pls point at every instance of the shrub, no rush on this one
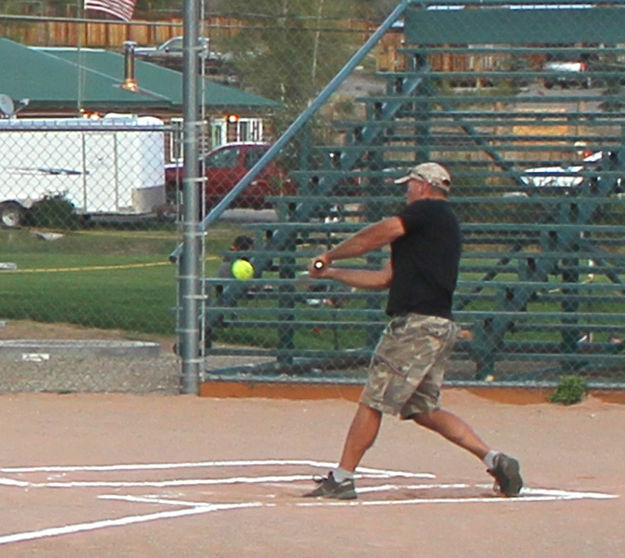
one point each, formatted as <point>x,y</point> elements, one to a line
<point>53,212</point>
<point>570,389</point>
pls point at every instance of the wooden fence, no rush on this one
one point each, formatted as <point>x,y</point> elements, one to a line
<point>112,34</point>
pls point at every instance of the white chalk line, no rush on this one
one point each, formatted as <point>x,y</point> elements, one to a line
<point>204,464</point>
<point>363,472</point>
<point>156,466</point>
<point>195,508</point>
<point>120,522</point>
<point>13,482</point>
<point>152,500</point>
<point>167,483</point>
<point>527,495</point>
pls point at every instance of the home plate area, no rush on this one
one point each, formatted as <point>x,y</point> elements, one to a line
<point>107,496</point>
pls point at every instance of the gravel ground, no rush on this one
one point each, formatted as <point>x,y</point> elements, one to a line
<point>64,358</point>
<point>91,374</point>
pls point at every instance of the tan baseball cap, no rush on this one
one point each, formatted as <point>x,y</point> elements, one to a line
<point>435,174</point>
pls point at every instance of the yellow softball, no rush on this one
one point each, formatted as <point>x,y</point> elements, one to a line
<point>242,270</point>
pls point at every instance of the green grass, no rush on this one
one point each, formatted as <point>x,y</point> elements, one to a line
<point>136,299</point>
<point>118,279</point>
<point>122,279</point>
<point>309,337</point>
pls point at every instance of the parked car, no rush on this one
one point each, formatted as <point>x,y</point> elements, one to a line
<point>226,165</point>
<point>171,52</point>
<point>567,74</point>
<point>565,177</point>
<point>584,70</point>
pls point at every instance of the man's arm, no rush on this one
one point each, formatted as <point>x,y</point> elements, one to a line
<point>360,278</point>
<point>366,240</point>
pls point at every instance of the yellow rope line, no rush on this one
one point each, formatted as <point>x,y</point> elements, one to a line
<point>90,268</point>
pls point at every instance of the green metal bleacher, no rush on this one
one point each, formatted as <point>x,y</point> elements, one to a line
<point>541,289</point>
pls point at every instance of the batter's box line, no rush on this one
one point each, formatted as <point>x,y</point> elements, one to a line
<point>362,472</point>
<point>173,483</point>
<point>185,508</point>
<point>527,495</point>
<point>121,522</point>
<point>205,464</point>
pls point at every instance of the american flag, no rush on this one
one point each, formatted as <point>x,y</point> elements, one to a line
<point>123,9</point>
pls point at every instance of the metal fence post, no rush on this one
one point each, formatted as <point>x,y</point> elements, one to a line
<point>189,263</point>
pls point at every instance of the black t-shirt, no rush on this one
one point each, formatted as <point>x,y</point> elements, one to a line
<point>425,260</point>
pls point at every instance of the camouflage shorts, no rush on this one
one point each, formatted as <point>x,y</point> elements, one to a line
<point>408,367</point>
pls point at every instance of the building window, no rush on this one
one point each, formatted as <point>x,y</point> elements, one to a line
<point>234,128</point>
<point>175,140</point>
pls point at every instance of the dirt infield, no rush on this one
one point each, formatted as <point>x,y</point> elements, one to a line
<point>103,475</point>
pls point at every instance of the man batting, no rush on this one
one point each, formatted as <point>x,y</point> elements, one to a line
<point>408,366</point>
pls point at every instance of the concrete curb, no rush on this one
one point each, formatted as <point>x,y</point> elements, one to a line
<point>38,350</point>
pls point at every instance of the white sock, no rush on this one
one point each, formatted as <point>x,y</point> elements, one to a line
<point>489,459</point>
<point>342,474</point>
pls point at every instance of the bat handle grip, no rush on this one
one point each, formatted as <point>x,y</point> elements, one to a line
<point>319,264</point>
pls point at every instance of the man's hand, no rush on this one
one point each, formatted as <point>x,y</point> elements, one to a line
<point>319,265</point>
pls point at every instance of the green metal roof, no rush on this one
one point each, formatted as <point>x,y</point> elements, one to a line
<point>49,77</point>
<point>158,80</point>
<point>51,82</point>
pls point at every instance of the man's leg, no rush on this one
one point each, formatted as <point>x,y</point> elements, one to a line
<point>503,468</point>
<point>454,429</point>
<point>362,433</point>
<point>360,437</point>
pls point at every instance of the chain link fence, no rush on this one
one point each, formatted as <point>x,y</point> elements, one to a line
<point>85,251</point>
<point>522,105</point>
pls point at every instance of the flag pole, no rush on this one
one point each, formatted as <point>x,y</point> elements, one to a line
<point>80,69</point>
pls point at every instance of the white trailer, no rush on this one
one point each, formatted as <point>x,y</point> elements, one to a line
<point>112,165</point>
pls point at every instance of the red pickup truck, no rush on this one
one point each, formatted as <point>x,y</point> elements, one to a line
<point>225,166</point>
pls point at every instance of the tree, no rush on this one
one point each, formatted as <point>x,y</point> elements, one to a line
<point>373,11</point>
<point>289,49</point>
